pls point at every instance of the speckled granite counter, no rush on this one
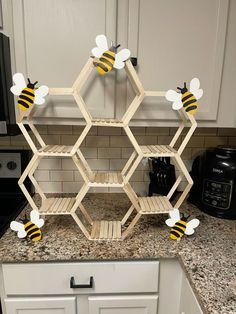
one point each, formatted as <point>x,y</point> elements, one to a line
<point>208,257</point>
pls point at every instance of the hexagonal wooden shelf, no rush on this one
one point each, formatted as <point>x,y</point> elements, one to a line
<point>106,230</point>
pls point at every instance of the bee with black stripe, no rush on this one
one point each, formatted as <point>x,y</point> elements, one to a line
<point>179,225</point>
<point>29,228</point>
<point>28,94</point>
<point>108,58</point>
<point>186,98</point>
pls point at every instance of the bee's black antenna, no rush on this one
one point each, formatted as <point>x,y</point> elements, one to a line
<point>117,46</point>
<point>179,88</point>
<point>31,85</point>
<point>185,85</point>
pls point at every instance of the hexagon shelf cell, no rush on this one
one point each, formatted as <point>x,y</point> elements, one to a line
<point>111,178</point>
<point>44,149</point>
<point>51,205</point>
<point>104,230</point>
<point>187,120</point>
<point>135,82</point>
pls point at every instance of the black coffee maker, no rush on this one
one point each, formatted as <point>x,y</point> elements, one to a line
<point>214,176</point>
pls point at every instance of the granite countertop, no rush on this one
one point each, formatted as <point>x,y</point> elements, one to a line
<point>208,257</point>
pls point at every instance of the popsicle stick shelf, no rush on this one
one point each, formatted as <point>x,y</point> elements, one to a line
<point>106,230</point>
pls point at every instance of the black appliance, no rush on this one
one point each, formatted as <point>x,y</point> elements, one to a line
<point>12,165</point>
<point>162,176</point>
<point>214,176</point>
<point>8,124</point>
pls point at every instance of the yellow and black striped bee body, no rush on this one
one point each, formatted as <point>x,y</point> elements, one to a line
<point>178,230</point>
<point>106,61</point>
<point>189,101</point>
<point>26,98</point>
<point>32,231</point>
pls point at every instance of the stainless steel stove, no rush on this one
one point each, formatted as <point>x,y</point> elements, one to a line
<point>12,200</point>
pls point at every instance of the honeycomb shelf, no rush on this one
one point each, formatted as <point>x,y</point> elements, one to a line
<point>107,122</point>
<point>106,230</point>
<point>106,179</point>
<point>158,151</point>
<point>57,206</point>
<point>55,150</point>
<point>103,230</point>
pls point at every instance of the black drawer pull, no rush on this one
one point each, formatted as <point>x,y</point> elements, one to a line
<point>73,285</point>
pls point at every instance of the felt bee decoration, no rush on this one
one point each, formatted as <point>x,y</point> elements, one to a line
<point>29,228</point>
<point>179,225</point>
<point>108,57</point>
<point>28,94</point>
<point>186,98</point>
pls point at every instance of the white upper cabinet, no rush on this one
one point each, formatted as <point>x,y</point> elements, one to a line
<point>53,41</point>
<point>175,41</point>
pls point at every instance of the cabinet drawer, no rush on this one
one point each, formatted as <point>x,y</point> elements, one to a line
<point>54,278</point>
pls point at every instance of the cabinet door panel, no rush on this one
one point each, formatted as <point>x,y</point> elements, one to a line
<point>41,306</point>
<point>188,301</point>
<point>176,41</point>
<point>53,41</point>
<point>123,304</point>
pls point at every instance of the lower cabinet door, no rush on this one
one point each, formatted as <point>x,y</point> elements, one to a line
<point>60,305</point>
<point>140,304</point>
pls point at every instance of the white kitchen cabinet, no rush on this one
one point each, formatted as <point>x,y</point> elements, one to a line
<point>175,293</point>
<point>47,288</point>
<point>123,304</point>
<point>130,287</point>
<point>188,301</point>
<point>60,305</point>
<point>173,41</point>
<point>52,41</point>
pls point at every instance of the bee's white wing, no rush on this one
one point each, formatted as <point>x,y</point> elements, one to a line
<point>40,93</point>
<point>174,97</point>
<point>191,225</point>
<point>174,217</point>
<point>121,56</point>
<point>20,84</point>
<point>17,226</point>
<point>102,46</point>
<point>194,88</point>
<point>34,217</point>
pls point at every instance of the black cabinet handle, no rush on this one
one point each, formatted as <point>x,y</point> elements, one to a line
<point>134,61</point>
<point>73,285</point>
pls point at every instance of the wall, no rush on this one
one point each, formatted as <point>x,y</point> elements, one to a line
<point>108,149</point>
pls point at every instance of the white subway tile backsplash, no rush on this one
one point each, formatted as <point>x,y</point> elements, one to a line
<point>98,190</point>
<point>117,164</point>
<point>109,131</point>
<point>42,175</point>
<point>71,187</point>
<point>62,175</point>
<point>53,139</point>
<point>108,149</point>
<point>59,129</point>
<point>50,163</point>
<point>89,152</point>
<point>51,187</point>
<point>68,164</point>
<point>99,164</point>
<point>97,141</point>
<point>126,152</point>
<point>109,152</point>
<point>70,139</point>
<point>77,176</point>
